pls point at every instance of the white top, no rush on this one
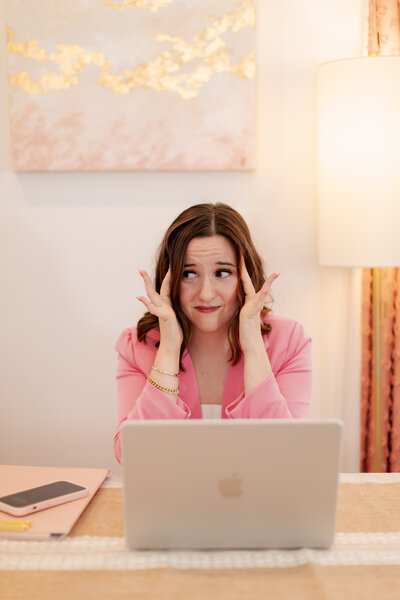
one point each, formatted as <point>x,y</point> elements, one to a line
<point>211,411</point>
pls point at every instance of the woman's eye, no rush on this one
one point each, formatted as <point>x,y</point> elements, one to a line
<point>223,273</point>
<point>189,274</point>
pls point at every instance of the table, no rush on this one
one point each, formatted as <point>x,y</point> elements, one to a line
<point>93,563</point>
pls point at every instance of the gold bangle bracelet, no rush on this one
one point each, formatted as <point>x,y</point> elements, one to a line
<point>165,372</point>
<point>162,388</point>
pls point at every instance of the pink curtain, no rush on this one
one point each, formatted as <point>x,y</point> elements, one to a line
<point>383,39</point>
<point>390,372</point>
<point>383,27</point>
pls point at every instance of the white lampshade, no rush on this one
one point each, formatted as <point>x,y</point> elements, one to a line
<point>358,103</point>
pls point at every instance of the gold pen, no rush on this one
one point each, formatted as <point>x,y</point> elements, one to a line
<point>14,525</point>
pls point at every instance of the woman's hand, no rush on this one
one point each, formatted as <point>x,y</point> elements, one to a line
<point>249,317</point>
<point>160,305</point>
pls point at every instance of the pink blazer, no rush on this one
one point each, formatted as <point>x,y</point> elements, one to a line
<point>285,394</point>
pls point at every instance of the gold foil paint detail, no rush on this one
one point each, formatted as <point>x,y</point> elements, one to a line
<point>206,47</point>
<point>70,59</point>
<point>150,5</point>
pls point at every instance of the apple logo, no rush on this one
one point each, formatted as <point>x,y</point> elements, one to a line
<point>231,486</point>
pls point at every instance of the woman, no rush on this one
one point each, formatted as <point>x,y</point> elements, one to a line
<point>207,346</point>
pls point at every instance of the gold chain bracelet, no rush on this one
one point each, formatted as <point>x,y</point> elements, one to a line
<point>162,388</point>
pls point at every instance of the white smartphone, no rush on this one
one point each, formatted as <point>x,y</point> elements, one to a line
<point>28,501</point>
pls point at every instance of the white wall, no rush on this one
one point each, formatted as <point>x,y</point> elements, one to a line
<point>71,244</point>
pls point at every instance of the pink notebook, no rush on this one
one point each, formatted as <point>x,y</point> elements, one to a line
<point>55,522</point>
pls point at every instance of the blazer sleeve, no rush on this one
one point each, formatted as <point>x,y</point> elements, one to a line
<point>286,393</point>
<point>137,398</point>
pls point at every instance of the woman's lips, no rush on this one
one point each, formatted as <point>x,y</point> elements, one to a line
<point>206,309</point>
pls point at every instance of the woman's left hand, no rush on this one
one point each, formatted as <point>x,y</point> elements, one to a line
<point>249,317</point>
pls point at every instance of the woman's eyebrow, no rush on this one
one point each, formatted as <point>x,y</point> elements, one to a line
<point>219,262</point>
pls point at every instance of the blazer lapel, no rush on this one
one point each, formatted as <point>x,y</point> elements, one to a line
<point>234,384</point>
<point>189,391</point>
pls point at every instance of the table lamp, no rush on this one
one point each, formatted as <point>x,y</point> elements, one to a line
<point>358,115</point>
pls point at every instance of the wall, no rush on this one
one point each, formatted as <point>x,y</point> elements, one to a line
<point>71,244</point>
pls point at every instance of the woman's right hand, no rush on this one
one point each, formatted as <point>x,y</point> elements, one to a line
<point>160,305</point>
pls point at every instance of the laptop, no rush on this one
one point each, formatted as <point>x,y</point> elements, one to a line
<point>230,484</point>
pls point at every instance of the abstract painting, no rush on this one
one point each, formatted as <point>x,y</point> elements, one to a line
<point>124,85</point>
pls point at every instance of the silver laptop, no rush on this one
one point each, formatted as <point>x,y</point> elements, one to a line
<point>245,483</point>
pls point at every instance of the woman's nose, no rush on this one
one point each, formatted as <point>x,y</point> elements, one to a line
<point>206,292</point>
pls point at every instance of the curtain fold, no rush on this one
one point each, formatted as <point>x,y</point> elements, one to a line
<point>383,39</point>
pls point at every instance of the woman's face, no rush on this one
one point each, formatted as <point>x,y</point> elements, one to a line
<point>208,289</point>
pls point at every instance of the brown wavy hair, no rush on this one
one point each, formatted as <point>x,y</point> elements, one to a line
<point>205,220</point>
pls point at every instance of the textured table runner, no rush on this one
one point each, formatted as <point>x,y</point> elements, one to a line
<point>368,533</point>
<point>105,553</point>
